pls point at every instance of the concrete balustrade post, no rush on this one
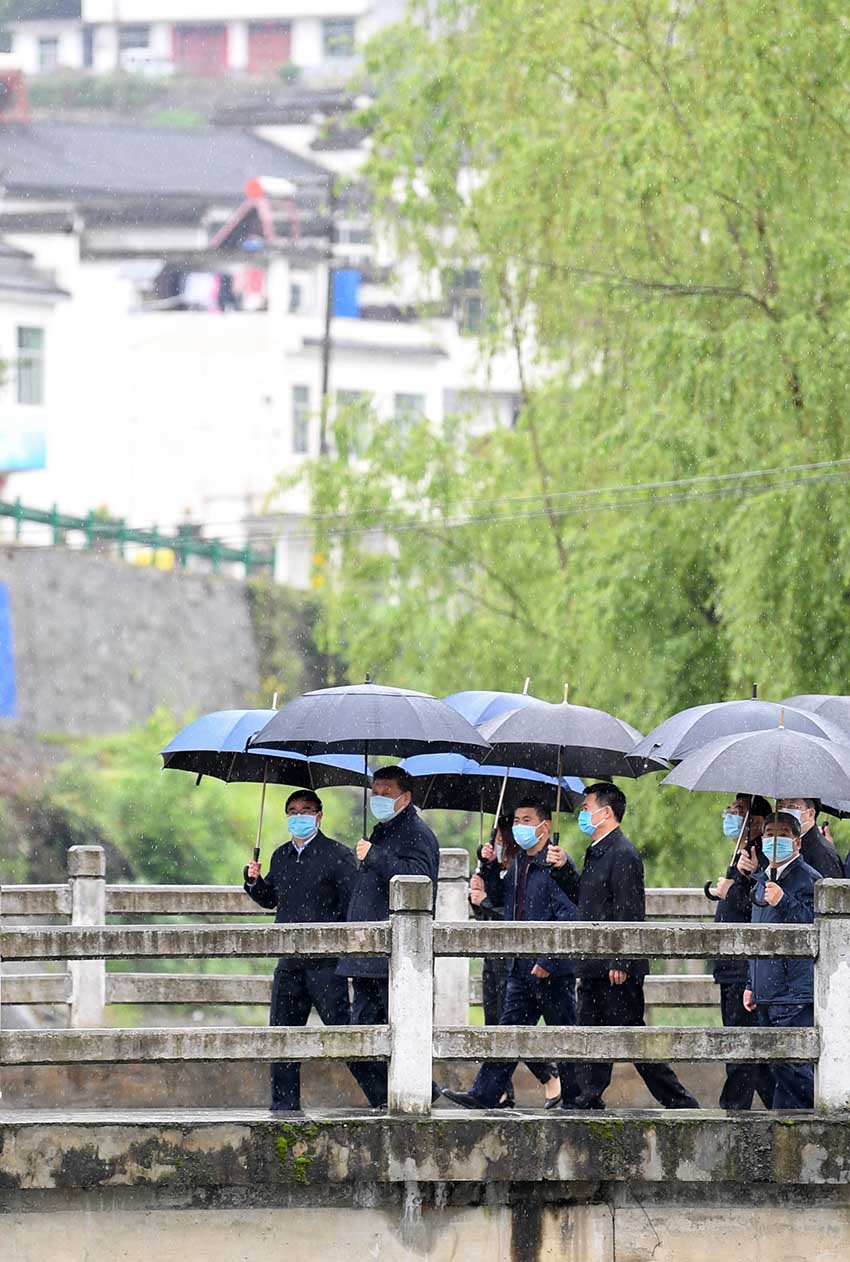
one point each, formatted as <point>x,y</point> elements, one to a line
<point>451,976</point>
<point>832,995</point>
<point>87,881</point>
<point>411,995</point>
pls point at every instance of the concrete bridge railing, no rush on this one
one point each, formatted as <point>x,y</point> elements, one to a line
<point>413,942</point>
<point>85,988</point>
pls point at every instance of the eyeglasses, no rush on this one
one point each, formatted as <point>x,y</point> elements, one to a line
<point>302,810</point>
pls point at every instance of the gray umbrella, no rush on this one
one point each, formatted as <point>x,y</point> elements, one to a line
<point>777,764</point>
<point>683,733</point>
<point>835,710</point>
<point>562,738</point>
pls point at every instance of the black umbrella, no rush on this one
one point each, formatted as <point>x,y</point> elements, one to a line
<point>682,733</point>
<point>370,719</point>
<point>558,738</point>
<point>776,764</point>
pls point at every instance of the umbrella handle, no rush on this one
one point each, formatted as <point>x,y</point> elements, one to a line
<point>706,889</point>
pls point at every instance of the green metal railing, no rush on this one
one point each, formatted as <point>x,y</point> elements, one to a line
<point>99,529</point>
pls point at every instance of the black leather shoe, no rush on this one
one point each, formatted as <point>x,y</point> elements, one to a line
<point>554,1103</point>
<point>584,1103</point>
<point>436,1092</point>
<point>465,1099</point>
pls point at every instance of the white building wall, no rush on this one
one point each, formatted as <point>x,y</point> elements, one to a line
<point>25,45</point>
<point>158,416</point>
<point>219,10</point>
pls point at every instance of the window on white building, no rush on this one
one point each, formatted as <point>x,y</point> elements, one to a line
<point>88,46</point>
<point>296,299</point>
<point>6,41</point>
<point>135,36</point>
<point>300,420</point>
<point>48,54</point>
<point>338,35</point>
<point>408,408</point>
<point>30,366</point>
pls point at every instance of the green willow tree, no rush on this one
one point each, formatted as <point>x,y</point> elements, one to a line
<point>656,197</point>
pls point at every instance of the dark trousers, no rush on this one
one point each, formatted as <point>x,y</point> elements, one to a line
<point>742,1079</point>
<point>294,993</point>
<point>527,999</point>
<point>601,1003</point>
<point>370,1006</point>
<point>494,985</point>
<point>794,1085</point>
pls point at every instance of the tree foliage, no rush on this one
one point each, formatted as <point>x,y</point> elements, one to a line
<point>656,197</point>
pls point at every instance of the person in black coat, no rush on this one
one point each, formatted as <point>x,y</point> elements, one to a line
<point>815,850</point>
<point>309,881</point>
<point>536,988</point>
<point>611,991</point>
<point>743,820</point>
<point>493,864</point>
<point>781,991</point>
<point>401,844</point>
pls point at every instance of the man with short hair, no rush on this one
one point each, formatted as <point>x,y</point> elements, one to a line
<point>309,881</point>
<point>535,988</point>
<point>611,991</point>
<point>743,821</point>
<point>781,991</point>
<point>816,851</point>
<point>401,844</point>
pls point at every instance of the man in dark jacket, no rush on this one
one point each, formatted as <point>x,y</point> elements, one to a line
<point>536,988</point>
<point>815,850</point>
<point>494,862</point>
<point>401,844</point>
<point>309,881</point>
<point>743,820</point>
<point>611,991</point>
<point>781,991</point>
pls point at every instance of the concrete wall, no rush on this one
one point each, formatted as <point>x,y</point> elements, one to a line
<point>100,644</point>
<point>237,1188</point>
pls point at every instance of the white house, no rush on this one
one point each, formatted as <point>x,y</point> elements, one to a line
<point>201,38</point>
<point>186,366</point>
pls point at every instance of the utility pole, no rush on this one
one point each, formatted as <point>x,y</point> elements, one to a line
<point>327,345</point>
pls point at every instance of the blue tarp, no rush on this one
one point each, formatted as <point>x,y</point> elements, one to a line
<point>8,690</point>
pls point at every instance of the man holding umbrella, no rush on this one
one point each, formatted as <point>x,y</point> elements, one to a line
<point>401,844</point>
<point>611,991</point>
<point>309,881</point>
<point>781,991</point>
<point>816,851</point>
<point>743,820</point>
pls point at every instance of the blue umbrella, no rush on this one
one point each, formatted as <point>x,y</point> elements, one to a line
<point>215,745</point>
<point>479,707</point>
<point>451,782</point>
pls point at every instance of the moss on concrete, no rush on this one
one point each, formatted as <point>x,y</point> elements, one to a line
<point>292,1146</point>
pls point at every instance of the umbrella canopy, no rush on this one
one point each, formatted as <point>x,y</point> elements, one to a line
<point>480,706</point>
<point>370,719</point>
<point>214,745</point>
<point>544,736</point>
<point>451,782</point>
<point>776,764</point>
<point>682,733</point>
<point>834,709</point>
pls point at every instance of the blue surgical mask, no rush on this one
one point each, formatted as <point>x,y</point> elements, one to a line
<point>777,849</point>
<point>525,835</point>
<point>585,822</point>
<point>383,808</point>
<point>302,826</point>
<point>731,824</point>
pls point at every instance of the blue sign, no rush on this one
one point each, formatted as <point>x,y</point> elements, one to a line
<point>8,690</point>
<point>346,291</point>
<point>23,445</point>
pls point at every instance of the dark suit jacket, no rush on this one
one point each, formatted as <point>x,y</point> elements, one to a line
<point>403,846</point>
<point>611,888</point>
<point>312,886</point>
